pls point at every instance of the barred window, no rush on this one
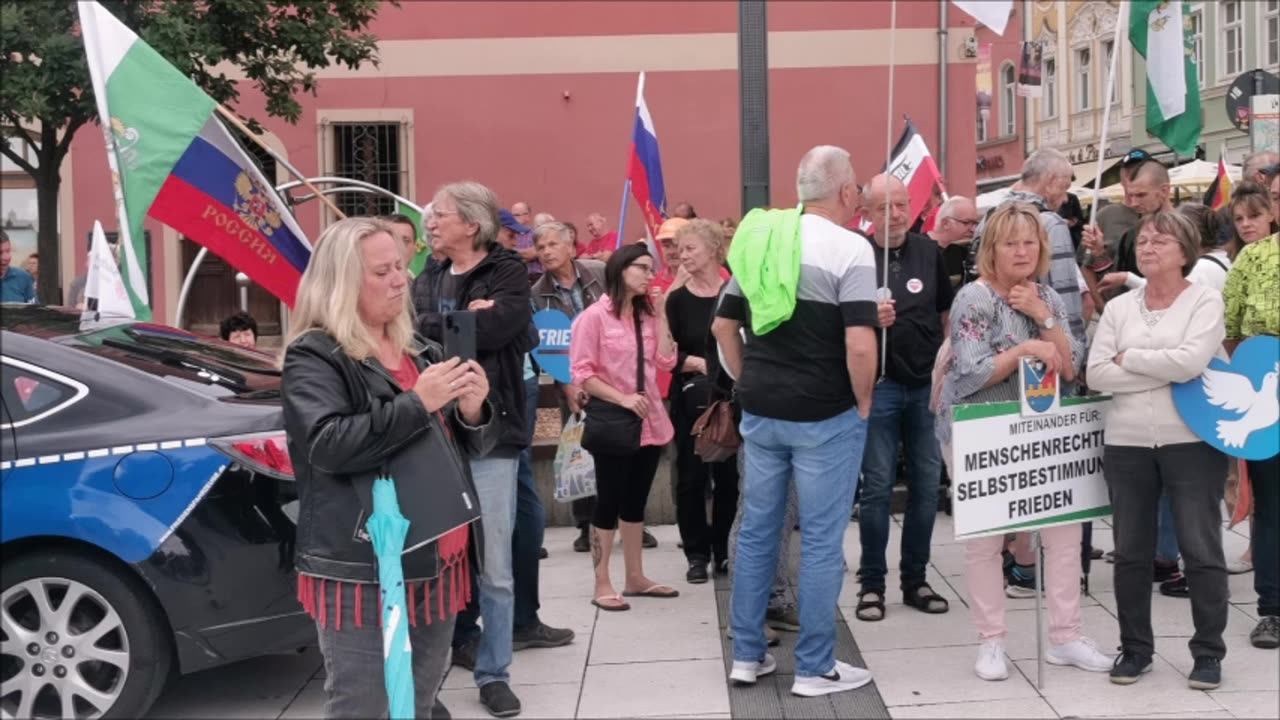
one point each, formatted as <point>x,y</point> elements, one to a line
<point>371,153</point>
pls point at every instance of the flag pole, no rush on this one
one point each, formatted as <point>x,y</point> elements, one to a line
<point>239,125</point>
<point>1121,23</point>
<point>626,186</point>
<point>885,294</point>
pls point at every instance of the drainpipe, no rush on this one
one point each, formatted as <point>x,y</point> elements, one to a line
<point>942,87</point>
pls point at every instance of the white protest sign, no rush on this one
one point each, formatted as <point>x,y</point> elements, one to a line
<point>1013,473</point>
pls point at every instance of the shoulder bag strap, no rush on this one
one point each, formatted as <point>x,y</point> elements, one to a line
<point>639,353</point>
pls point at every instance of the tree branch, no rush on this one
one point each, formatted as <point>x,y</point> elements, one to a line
<point>21,132</point>
<point>68,135</point>
<point>19,161</point>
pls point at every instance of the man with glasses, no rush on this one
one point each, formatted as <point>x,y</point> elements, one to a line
<point>957,220</point>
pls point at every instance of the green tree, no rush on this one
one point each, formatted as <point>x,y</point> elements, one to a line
<point>277,45</point>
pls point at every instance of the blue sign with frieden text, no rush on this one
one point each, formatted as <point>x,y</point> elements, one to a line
<point>555,329</point>
<point>1235,406</point>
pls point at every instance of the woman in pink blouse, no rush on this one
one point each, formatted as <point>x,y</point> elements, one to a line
<point>603,358</point>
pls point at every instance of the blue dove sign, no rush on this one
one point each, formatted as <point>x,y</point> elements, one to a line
<point>1235,406</point>
<point>552,353</point>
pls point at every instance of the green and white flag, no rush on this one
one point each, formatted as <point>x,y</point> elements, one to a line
<point>1160,33</point>
<point>150,112</point>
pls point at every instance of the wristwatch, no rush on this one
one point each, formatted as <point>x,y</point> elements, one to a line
<point>1049,323</point>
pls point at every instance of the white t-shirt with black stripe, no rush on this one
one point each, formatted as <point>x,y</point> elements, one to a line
<point>798,372</point>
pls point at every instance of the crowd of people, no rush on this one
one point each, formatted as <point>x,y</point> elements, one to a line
<point>784,323</point>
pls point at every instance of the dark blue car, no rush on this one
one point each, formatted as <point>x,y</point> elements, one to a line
<point>149,513</point>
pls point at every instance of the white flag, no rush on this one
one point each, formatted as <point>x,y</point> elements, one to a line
<point>992,13</point>
<point>104,283</point>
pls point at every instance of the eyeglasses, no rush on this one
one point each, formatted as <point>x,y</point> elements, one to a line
<point>966,223</point>
<point>645,268</point>
<point>441,214</point>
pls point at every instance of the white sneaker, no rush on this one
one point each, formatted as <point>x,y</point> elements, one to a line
<point>1239,566</point>
<point>746,672</point>
<point>842,677</point>
<point>1082,653</point>
<point>991,664</point>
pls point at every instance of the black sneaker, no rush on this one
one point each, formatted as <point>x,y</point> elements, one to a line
<point>583,541</point>
<point>1206,675</point>
<point>1129,667</point>
<point>464,656</point>
<point>1176,588</point>
<point>647,541</point>
<point>1266,635</point>
<point>1165,573</point>
<point>722,566</point>
<point>785,618</point>
<point>697,572</point>
<point>1020,582</point>
<point>540,636</point>
<point>498,699</point>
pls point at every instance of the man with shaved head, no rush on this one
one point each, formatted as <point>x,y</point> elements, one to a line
<point>915,314</point>
<point>1255,165</point>
<point>1146,193</point>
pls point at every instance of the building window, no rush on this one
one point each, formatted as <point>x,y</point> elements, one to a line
<point>1084,73</point>
<point>1108,47</point>
<point>371,153</point>
<point>1196,23</point>
<point>1008,100</point>
<point>1231,34</point>
<point>1271,33</point>
<point>1049,98</point>
<point>983,114</point>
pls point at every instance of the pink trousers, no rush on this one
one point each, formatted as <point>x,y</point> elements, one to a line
<point>984,575</point>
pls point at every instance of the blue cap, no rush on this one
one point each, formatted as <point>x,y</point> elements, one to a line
<point>508,221</point>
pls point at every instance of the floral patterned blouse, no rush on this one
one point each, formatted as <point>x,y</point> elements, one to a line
<point>1252,293</point>
<point>983,325</point>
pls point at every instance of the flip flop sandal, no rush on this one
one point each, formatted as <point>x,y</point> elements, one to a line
<point>923,598</point>
<point>870,610</point>
<point>621,606</point>
<point>657,590</point>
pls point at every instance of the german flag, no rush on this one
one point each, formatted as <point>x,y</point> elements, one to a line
<point>1219,193</point>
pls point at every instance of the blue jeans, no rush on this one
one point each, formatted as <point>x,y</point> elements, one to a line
<point>824,458</point>
<point>531,522</point>
<point>898,412</point>
<point>1166,533</point>
<point>495,479</point>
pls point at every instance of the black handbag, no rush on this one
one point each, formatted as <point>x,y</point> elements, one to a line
<point>611,429</point>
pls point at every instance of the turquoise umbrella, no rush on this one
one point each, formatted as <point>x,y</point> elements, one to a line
<point>387,529</point>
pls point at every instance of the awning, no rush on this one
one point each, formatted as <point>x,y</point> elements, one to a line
<point>1086,172</point>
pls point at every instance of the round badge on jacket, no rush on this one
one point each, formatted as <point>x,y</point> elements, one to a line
<point>915,286</point>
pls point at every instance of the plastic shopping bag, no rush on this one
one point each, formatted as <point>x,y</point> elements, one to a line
<point>574,468</point>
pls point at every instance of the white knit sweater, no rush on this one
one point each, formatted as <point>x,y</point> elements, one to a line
<point>1177,349</point>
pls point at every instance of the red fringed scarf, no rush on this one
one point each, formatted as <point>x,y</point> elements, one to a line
<point>321,598</point>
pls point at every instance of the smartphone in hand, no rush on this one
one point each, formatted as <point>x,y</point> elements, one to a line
<point>460,335</point>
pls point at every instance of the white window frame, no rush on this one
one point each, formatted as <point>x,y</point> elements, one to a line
<point>1108,47</point>
<point>983,128</point>
<point>1197,42</point>
<point>1268,12</point>
<point>1082,92</point>
<point>79,391</point>
<point>1225,72</point>
<point>1008,100</point>
<point>1049,86</point>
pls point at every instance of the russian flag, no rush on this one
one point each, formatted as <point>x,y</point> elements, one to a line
<point>644,171</point>
<point>216,196</point>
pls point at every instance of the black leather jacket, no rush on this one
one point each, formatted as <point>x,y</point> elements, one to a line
<point>348,421</point>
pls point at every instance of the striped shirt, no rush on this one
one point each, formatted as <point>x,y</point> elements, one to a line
<point>798,372</point>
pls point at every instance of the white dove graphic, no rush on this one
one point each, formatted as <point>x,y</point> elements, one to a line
<point>1258,408</point>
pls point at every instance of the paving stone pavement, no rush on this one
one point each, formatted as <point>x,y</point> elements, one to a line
<point>667,658</point>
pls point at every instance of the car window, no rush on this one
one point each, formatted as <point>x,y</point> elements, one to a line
<point>31,395</point>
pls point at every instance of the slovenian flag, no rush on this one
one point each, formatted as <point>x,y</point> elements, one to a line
<point>644,171</point>
<point>171,158</point>
<point>913,164</point>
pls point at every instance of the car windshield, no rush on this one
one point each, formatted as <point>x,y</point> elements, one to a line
<point>171,353</point>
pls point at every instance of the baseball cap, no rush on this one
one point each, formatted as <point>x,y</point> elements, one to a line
<point>667,230</point>
<point>1135,157</point>
<point>509,222</point>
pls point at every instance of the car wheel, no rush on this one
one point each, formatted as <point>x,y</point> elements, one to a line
<point>78,639</point>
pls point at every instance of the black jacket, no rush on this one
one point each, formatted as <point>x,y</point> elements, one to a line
<point>348,421</point>
<point>504,333</point>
